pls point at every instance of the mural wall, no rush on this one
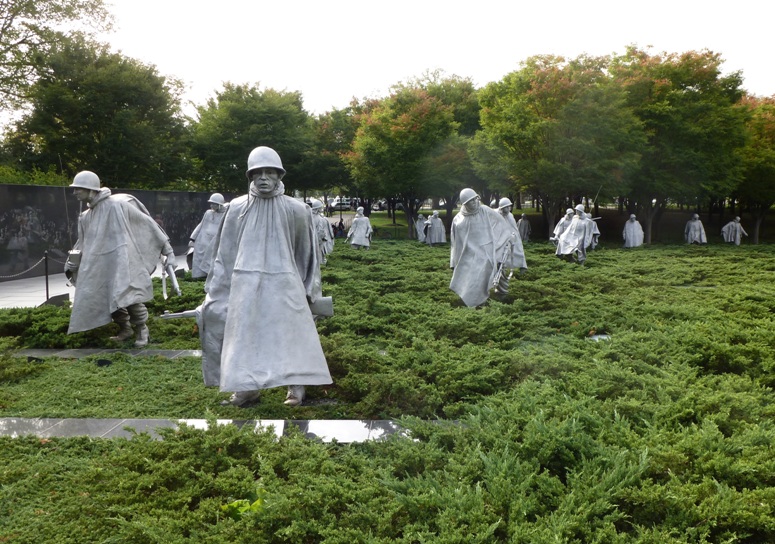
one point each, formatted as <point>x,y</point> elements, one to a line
<point>36,219</point>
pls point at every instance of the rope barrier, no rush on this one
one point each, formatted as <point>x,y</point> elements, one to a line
<point>24,271</point>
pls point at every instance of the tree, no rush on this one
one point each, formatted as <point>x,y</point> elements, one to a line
<point>448,169</point>
<point>242,117</point>
<point>97,110</point>
<point>694,128</point>
<point>323,163</point>
<point>393,142</point>
<point>29,31</point>
<point>757,190</point>
<point>560,129</point>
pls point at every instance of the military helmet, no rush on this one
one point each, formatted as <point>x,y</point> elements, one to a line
<point>504,202</point>
<point>315,203</point>
<point>216,198</point>
<point>86,180</point>
<point>580,208</point>
<point>264,157</point>
<point>467,195</point>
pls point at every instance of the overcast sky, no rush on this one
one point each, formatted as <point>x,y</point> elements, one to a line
<point>334,50</point>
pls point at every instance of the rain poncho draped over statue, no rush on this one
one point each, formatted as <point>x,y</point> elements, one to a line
<point>120,247</point>
<point>694,233</point>
<point>204,237</point>
<point>479,242</point>
<point>632,233</point>
<point>257,328</point>
<point>733,232</point>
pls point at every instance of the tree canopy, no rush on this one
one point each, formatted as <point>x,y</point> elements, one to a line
<point>29,29</point>
<point>240,118</point>
<point>101,111</point>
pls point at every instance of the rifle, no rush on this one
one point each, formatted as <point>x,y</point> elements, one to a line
<point>499,272</point>
<point>177,315</point>
<point>168,270</point>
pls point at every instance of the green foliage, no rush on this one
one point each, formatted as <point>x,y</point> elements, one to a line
<point>241,117</point>
<point>108,112</point>
<point>522,428</point>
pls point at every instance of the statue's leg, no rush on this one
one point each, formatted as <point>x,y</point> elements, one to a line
<point>138,316</point>
<point>125,332</point>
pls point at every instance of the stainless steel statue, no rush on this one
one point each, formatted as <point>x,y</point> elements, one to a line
<point>201,239</point>
<point>632,232</point>
<point>733,232</point>
<point>435,232</point>
<point>118,248</point>
<point>694,233</point>
<point>323,229</point>
<point>360,231</point>
<point>257,326</point>
<point>483,248</point>
<point>573,240</point>
<point>523,226</point>
<point>561,225</point>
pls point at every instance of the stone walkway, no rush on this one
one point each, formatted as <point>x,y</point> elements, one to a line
<point>326,430</point>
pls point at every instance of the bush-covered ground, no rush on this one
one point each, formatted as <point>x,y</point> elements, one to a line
<point>523,428</point>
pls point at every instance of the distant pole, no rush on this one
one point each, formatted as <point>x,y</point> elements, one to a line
<point>45,261</point>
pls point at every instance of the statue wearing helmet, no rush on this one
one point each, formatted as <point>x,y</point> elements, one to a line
<point>323,229</point>
<point>561,225</point>
<point>360,231</point>
<point>694,233</point>
<point>504,207</point>
<point>523,226</point>
<point>482,246</point>
<point>118,247</point>
<point>435,231</point>
<point>574,239</point>
<point>258,329</point>
<point>201,242</point>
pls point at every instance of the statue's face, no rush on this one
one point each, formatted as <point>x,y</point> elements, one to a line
<point>83,195</point>
<point>472,205</point>
<point>265,179</point>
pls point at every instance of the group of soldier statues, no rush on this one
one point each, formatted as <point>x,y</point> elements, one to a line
<point>261,255</point>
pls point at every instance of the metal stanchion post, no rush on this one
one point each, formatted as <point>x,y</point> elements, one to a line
<point>45,257</point>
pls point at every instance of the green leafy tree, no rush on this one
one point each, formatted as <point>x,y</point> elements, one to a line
<point>393,142</point>
<point>101,111</point>
<point>560,129</point>
<point>29,31</point>
<point>242,117</point>
<point>757,190</point>
<point>694,127</point>
<point>323,163</point>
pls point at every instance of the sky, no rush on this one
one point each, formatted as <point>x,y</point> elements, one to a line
<point>334,50</point>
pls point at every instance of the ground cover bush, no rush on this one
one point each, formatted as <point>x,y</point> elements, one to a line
<point>523,428</point>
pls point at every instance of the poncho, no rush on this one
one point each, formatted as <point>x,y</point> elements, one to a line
<point>436,233</point>
<point>573,239</point>
<point>695,232</point>
<point>733,232</point>
<point>479,242</point>
<point>120,247</point>
<point>523,226</point>
<point>325,235</point>
<point>360,230</point>
<point>419,226</point>
<point>203,237</point>
<point>257,328</point>
<point>632,234</point>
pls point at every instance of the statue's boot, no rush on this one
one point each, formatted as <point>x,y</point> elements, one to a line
<point>242,398</point>
<point>295,395</point>
<point>125,332</point>
<point>141,339</point>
